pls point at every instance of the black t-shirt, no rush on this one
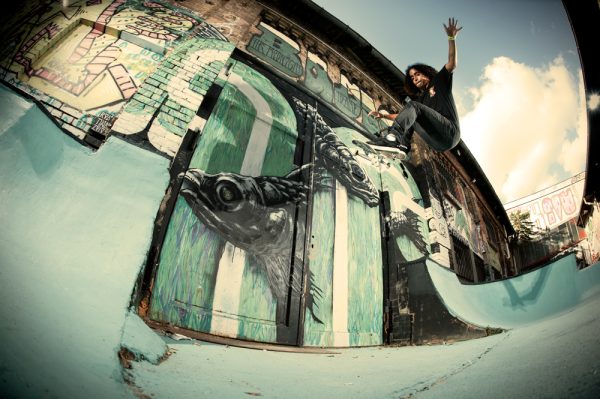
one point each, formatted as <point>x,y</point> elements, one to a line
<point>439,95</point>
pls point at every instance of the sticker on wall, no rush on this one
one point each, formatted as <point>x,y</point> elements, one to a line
<point>438,232</point>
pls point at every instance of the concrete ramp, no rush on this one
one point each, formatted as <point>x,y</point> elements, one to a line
<point>518,301</point>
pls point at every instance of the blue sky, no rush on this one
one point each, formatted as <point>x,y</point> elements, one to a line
<point>518,83</point>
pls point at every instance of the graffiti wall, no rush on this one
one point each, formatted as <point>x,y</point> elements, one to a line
<point>591,246</point>
<point>163,109</point>
<point>463,234</point>
<point>554,213</point>
<point>312,72</point>
<point>280,224</point>
<point>85,61</point>
<point>345,243</point>
<point>262,239</point>
<point>220,271</point>
<point>553,206</point>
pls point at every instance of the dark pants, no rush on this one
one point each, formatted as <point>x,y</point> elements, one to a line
<point>437,131</point>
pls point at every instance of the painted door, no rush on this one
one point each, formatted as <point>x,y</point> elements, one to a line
<point>275,236</point>
<point>407,244</point>
<point>231,262</point>
<point>345,258</point>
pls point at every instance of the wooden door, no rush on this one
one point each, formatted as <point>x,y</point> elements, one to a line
<point>232,260</point>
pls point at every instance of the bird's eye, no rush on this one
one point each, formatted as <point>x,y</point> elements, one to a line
<point>228,194</point>
<point>357,172</point>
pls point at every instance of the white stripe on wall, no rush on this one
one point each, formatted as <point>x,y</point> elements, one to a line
<point>340,268</point>
<point>227,292</point>
<point>231,266</point>
<point>402,200</point>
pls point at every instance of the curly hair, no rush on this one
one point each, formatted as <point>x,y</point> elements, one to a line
<point>425,69</point>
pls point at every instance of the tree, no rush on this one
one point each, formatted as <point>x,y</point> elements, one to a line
<point>525,229</point>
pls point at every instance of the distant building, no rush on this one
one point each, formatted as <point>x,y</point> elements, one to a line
<point>289,229</point>
<point>554,213</point>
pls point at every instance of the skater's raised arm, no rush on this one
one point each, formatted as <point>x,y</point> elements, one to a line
<point>452,30</point>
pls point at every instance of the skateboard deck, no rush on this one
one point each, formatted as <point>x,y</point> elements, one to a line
<point>378,149</point>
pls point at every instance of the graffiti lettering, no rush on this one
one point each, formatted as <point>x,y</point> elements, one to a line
<point>285,62</point>
<point>102,122</point>
<point>567,199</point>
<point>550,211</point>
<point>346,102</point>
<point>279,50</point>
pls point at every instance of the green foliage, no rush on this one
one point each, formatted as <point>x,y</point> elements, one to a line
<point>525,229</point>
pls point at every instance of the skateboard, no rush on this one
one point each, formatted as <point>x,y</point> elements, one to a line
<point>372,149</point>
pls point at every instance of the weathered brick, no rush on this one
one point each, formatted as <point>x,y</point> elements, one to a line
<point>160,79</point>
<point>157,97</point>
<point>187,112</point>
<point>180,116</point>
<point>56,113</point>
<point>67,119</point>
<point>74,131</point>
<point>75,113</point>
<point>151,81</point>
<point>173,105</point>
<point>148,101</point>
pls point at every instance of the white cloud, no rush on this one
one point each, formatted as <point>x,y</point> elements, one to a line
<point>593,101</point>
<point>527,126</point>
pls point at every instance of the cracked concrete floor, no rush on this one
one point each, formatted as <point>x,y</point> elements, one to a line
<point>557,357</point>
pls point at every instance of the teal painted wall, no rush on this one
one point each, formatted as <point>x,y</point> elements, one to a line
<point>76,228</point>
<point>521,300</point>
<point>343,226</point>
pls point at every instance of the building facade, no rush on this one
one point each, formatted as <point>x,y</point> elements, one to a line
<point>280,224</point>
<point>554,214</point>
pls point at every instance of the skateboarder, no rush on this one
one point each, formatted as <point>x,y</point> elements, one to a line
<point>432,112</point>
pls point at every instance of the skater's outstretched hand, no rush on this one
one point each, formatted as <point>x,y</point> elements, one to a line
<point>452,29</point>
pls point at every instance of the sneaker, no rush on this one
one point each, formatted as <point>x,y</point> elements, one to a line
<point>391,138</point>
<point>403,146</point>
<point>387,141</point>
